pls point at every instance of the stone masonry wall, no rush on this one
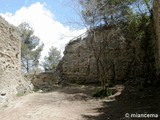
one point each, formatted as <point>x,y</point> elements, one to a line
<point>44,80</point>
<point>11,81</point>
<point>79,64</point>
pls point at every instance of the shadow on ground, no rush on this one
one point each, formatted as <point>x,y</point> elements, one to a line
<point>132,100</point>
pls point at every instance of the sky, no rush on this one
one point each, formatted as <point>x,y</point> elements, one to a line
<point>53,21</point>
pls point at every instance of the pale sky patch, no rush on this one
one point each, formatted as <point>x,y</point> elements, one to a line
<point>46,27</point>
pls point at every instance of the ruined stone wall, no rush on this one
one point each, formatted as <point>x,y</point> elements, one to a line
<point>156,15</point>
<point>44,80</point>
<point>79,64</point>
<point>11,81</point>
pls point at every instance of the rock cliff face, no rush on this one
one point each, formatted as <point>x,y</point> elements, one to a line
<point>11,81</point>
<point>79,63</point>
<point>156,15</point>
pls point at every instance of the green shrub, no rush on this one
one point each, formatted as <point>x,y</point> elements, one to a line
<point>36,89</point>
<point>20,94</point>
<point>100,93</point>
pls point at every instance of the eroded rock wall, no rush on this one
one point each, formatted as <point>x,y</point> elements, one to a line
<point>11,81</point>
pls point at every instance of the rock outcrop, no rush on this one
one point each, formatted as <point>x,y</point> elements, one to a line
<point>11,81</point>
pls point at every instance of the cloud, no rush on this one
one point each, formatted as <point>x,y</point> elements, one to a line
<point>50,31</point>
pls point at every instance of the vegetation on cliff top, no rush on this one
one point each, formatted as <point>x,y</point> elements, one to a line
<point>134,18</point>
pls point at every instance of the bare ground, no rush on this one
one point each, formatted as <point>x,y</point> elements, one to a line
<point>61,104</point>
<point>76,103</point>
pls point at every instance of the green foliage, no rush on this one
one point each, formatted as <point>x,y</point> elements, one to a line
<point>30,48</point>
<point>133,17</point>
<point>147,3</point>
<point>51,61</point>
<point>99,12</point>
<point>35,89</point>
<point>101,93</point>
<point>111,12</point>
<point>20,94</point>
<point>139,30</point>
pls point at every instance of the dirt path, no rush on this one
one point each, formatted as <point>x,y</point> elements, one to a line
<point>51,106</point>
<point>76,103</point>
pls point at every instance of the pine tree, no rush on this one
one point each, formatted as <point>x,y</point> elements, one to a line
<point>30,48</point>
